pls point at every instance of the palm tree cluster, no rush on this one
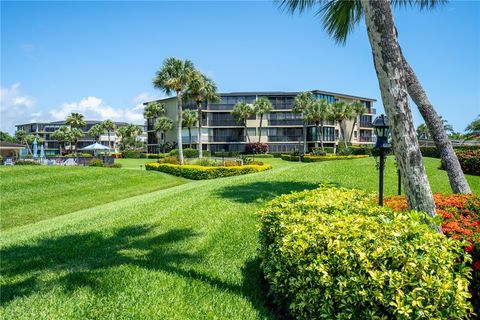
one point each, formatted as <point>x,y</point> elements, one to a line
<point>242,111</point>
<point>318,111</point>
<point>180,77</point>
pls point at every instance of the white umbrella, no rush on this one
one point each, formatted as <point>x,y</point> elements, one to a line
<point>95,147</point>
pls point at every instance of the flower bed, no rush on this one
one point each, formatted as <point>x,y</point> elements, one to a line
<point>334,254</point>
<point>196,172</point>
<point>461,221</point>
<point>312,158</point>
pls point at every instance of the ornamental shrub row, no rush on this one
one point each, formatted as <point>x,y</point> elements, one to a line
<point>432,152</point>
<point>461,221</point>
<point>26,163</point>
<point>196,172</point>
<point>333,254</point>
<point>312,158</point>
<point>189,153</point>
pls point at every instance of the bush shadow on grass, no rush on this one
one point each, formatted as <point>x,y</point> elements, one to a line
<point>263,190</point>
<point>86,257</point>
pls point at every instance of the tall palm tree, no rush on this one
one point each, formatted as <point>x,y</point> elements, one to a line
<point>154,110</point>
<point>341,111</point>
<point>20,136</point>
<point>109,126</point>
<point>163,125</point>
<point>72,137</point>
<point>261,106</point>
<point>133,132</point>
<point>76,120</point>
<point>473,129</point>
<point>422,132</point>
<point>201,89</point>
<point>61,136</point>
<point>339,19</point>
<point>190,118</point>
<point>301,105</point>
<point>174,76</point>
<point>318,112</point>
<point>358,109</point>
<point>96,131</point>
<point>241,112</point>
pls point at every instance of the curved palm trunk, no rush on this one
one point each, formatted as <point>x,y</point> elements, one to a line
<point>321,136</point>
<point>164,140</point>
<point>305,144</point>
<point>109,143</point>
<point>391,77</point>
<point>179,125</point>
<point>344,135</point>
<point>246,131</point>
<point>458,183</point>
<point>190,137</point>
<point>353,127</point>
<point>317,126</point>
<point>260,129</point>
<point>199,130</point>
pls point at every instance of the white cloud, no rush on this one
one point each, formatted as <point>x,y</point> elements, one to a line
<point>143,97</point>
<point>15,107</point>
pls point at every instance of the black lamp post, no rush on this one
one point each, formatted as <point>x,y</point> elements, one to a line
<point>382,131</point>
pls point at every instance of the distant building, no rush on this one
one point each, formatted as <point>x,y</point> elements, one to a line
<point>45,129</point>
<point>282,130</point>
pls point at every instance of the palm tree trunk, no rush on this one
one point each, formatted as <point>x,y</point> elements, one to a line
<point>353,127</point>
<point>458,183</point>
<point>109,144</point>
<point>179,125</point>
<point>260,129</point>
<point>305,144</point>
<point>391,77</point>
<point>321,136</point>
<point>199,132</point>
<point>344,133</point>
<point>190,137</point>
<point>318,134</point>
<point>246,131</point>
<point>164,140</point>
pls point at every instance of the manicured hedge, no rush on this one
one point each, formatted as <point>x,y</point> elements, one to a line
<point>196,172</point>
<point>470,161</point>
<point>461,221</point>
<point>432,152</point>
<point>310,158</point>
<point>26,163</point>
<point>263,156</point>
<point>189,153</point>
<point>332,254</point>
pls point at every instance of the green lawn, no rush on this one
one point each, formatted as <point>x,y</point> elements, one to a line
<point>138,164</point>
<point>186,252</point>
<point>34,193</point>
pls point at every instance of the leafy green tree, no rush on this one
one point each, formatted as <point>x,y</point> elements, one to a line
<point>261,106</point>
<point>190,118</point>
<point>96,131</point>
<point>154,110</point>
<point>76,120</point>
<point>21,137</point>
<point>473,129</point>
<point>61,135</point>
<point>201,89</point>
<point>31,138</point>
<point>133,132</point>
<point>6,137</point>
<point>422,132</point>
<point>358,109</point>
<point>301,105</point>
<point>241,112</point>
<point>318,112</point>
<point>73,135</point>
<point>163,125</point>
<point>174,76</point>
<point>340,112</point>
<point>109,126</point>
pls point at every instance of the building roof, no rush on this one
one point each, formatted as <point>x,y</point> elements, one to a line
<point>4,144</point>
<point>63,122</point>
<point>278,93</point>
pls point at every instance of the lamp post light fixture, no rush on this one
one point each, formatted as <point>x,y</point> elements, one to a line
<point>382,131</point>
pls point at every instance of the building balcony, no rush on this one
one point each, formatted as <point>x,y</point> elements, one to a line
<point>282,106</point>
<point>218,106</point>
<point>285,138</point>
<point>293,122</point>
<point>368,139</point>
<point>226,139</point>
<point>366,125</point>
<point>224,123</point>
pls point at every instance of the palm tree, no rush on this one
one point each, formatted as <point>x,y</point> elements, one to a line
<point>318,112</point>
<point>341,112</point>
<point>473,129</point>
<point>241,112</point>
<point>301,104</point>
<point>72,137</point>
<point>154,110</point>
<point>174,76</point>
<point>75,120</point>
<point>201,88</point>
<point>96,131</point>
<point>190,118</point>
<point>133,131</point>
<point>20,136</point>
<point>109,126</point>
<point>61,136</point>
<point>422,132</point>
<point>163,125</point>
<point>358,109</point>
<point>339,19</point>
<point>261,106</point>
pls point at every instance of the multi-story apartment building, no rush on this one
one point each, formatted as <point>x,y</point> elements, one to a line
<point>45,129</point>
<point>282,129</point>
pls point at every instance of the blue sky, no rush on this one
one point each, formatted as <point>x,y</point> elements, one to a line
<point>99,58</point>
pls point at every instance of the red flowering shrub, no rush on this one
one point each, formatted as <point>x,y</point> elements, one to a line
<point>461,221</point>
<point>256,148</point>
<point>469,161</point>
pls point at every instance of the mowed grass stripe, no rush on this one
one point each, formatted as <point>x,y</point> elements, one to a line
<point>189,252</point>
<point>31,194</point>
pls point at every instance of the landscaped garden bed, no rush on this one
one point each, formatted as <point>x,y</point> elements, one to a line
<point>198,172</point>
<point>313,158</point>
<point>332,253</point>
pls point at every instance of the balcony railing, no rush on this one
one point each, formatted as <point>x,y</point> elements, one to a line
<point>282,106</point>
<point>287,122</point>
<point>218,106</point>
<point>285,138</point>
<point>217,138</point>
<point>372,110</point>
<point>368,139</point>
<point>366,125</point>
<point>219,123</point>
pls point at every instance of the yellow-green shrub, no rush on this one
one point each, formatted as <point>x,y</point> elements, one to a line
<point>310,158</point>
<point>196,172</point>
<point>333,254</point>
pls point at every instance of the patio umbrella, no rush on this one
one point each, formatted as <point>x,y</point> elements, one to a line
<point>35,149</point>
<point>95,147</point>
<point>42,152</point>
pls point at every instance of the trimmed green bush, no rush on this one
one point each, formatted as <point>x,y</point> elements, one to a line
<point>96,163</point>
<point>291,157</point>
<point>311,158</point>
<point>266,155</point>
<point>26,163</point>
<point>189,153</point>
<point>227,154</point>
<point>333,254</point>
<point>132,154</point>
<point>196,172</point>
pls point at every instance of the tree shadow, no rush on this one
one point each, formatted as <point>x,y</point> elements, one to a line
<point>82,258</point>
<point>263,190</point>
